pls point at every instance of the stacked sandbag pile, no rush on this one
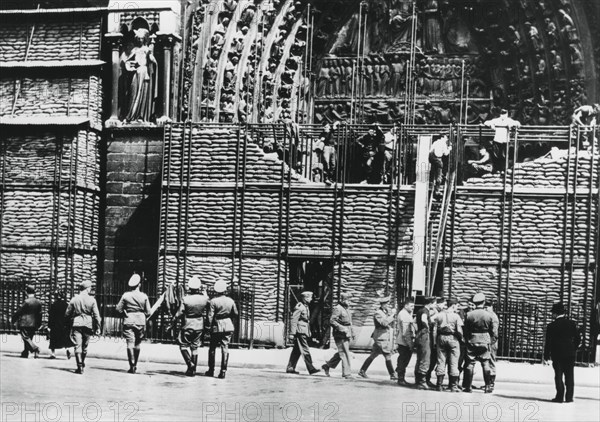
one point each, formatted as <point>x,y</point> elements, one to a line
<point>52,97</point>
<point>61,38</point>
<point>545,172</point>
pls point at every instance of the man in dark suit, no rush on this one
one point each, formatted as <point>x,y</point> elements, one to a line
<point>562,341</point>
<point>28,319</point>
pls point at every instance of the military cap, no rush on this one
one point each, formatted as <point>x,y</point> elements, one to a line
<point>30,289</point>
<point>85,285</point>
<point>134,280</point>
<point>479,298</point>
<point>307,293</point>
<point>385,299</point>
<point>220,286</point>
<point>194,283</point>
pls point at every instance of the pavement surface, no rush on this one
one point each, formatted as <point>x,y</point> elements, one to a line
<point>258,389</point>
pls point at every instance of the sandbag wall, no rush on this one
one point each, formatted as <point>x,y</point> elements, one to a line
<point>518,248</point>
<point>49,212</point>
<point>228,209</point>
<point>51,104</point>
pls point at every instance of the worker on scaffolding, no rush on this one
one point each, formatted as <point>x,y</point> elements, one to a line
<point>585,118</point>
<point>371,155</point>
<point>501,126</point>
<point>439,149</point>
<point>326,152</point>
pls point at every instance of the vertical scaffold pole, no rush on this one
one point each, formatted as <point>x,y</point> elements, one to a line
<point>186,217</point>
<point>573,219</point>
<point>235,206</point>
<point>588,241</point>
<point>502,221</point>
<point>511,212</point>
<point>565,218</point>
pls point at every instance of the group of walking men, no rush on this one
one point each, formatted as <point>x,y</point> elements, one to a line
<point>82,320</point>
<point>442,336</point>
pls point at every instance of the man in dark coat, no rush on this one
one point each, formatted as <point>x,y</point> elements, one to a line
<point>57,325</point>
<point>562,341</point>
<point>299,334</point>
<point>28,319</point>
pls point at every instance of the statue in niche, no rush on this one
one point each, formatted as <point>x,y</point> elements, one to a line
<point>556,63</point>
<point>139,71</point>
<point>400,21</point>
<point>534,36</point>
<point>458,35</point>
<point>576,60</point>
<point>397,76</point>
<point>551,33</point>
<point>384,76</point>
<point>432,31</point>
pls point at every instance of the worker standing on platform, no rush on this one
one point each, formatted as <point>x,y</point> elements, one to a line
<point>221,313</point>
<point>423,343</point>
<point>341,323</point>
<point>383,338</point>
<point>135,306</point>
<point>448,333</point>
<point>299,335</point>
<point>501,125</point>
<point>480,333</point>
<point>586,117</point>
<point>439,149</point>
<point>190,336</point>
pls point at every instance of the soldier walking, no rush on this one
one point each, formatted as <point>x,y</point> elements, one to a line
<point>562,341</point>
<point>221,313</point>
<point>83,313</point>
<point>341,323</point>
<point>423,343</point>
<point>440,306</point>
<point>405,338</point>
<point>300,333</point>
<point>135,306</point>
<point>494,346</point>
<point>448,333</point>
<point>383,338</point>
<point>480,333</point>
<point>28,319</point>
<point>192,312</point>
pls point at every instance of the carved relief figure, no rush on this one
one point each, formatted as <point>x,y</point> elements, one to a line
<point>432,31</point>
<point>139,70</point>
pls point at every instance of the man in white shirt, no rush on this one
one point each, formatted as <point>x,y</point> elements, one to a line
<point>405,338</point>
<point>501,126</point>
<point>439,149</point>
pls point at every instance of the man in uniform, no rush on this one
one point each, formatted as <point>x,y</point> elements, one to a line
<point>83,312</point>
<point>494,346</point>
<point>405,338</point>
<point>447,332</point>
<point>221,312</point>
<point>440,306</point>
<point>28,319</point>
<point>135,306</point>
<point>480,333</point>
<point>423,343</point>
<point>190,336</point>
<point>383,338</point>
<point>299,334</point>
<point>341,323</point>
<point>562,341</point>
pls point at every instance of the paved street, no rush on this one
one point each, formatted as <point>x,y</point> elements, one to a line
<point>47,390</point>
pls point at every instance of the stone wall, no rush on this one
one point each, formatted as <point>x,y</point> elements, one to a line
<point>132,186</point>
<point>67,37</point>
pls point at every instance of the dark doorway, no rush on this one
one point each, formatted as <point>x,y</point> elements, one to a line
<point>315,275</point>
